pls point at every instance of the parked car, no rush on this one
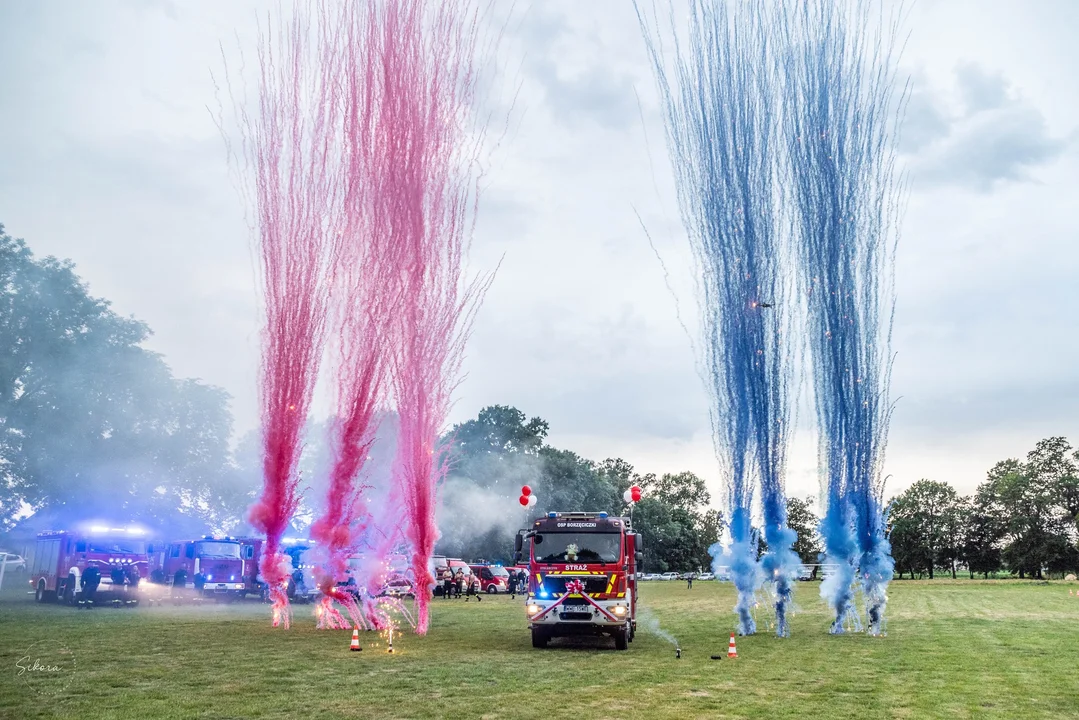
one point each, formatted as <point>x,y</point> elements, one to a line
<point>706,576</point>
<point>805,572</point>
<point>689,576</point>
<point>669,576</point>
<point>13,562</point>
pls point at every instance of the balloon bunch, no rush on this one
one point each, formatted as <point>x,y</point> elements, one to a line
<point>527,499</point>
<point>632,495</point>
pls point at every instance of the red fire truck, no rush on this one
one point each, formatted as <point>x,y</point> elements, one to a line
<point>210,566</point>
<point>61,557</point>
<point>582,576</point>
<point>251,554</point>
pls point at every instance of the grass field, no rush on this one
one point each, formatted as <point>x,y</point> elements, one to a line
<point>954,649</point>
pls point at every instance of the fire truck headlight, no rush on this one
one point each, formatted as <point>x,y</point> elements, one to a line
<point>533,609</point>
<point>232,577</point>
<point>209,577</point>
<point>619,610</point>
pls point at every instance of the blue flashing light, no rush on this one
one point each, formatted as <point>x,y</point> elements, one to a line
<point>552,514</point>
<point>209,577</point>
<point>603,515</point>
<point>543,592</point>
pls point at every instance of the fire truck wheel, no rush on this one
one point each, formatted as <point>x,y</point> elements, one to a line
<point>540,638</point>
<point>39,594</point>
<point>621,639</point>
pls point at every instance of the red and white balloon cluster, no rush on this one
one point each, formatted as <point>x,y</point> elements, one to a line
<point>633,495</point>
<point>527,498</point>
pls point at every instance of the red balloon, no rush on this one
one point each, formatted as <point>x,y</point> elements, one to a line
<point>526,491</point>
<point>635,493</point>
<point>523,500</point>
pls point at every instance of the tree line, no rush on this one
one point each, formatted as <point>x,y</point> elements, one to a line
<point>92,424</point>
<point>1022,520</point>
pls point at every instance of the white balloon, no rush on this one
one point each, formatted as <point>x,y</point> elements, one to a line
<point>627,496</point>
<point>532,500</point>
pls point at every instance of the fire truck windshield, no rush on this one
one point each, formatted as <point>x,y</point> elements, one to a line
<point>117,546</point>
<point>219,549</point>
<point>566,547</point>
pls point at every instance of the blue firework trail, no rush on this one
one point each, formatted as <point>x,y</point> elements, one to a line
<point>840,121</point>
<point>719,92</point>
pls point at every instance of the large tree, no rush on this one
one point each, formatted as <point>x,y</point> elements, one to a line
<point>985,529</point>
<point>925,527</point>
<point>1033,497</point>
<point>91,423</point>
<point>802,520</point>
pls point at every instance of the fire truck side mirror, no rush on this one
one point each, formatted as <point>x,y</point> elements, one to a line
<point>639,558</point>
<point>518,543</point>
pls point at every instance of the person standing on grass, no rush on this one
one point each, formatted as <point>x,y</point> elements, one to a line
<point>447,586</point>
<point>511,585</point>
<point>89,581</point>
<point>472,591</point>
<point>458,582</point>
<point>689,581</point>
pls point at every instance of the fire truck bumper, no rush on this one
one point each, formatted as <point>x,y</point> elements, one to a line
<point>577,616</point>
<point>223,587</point>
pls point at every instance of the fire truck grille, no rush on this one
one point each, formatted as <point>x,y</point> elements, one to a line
<point>557,584</point>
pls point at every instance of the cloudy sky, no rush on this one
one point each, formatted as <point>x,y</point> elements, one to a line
<point>109,155</point>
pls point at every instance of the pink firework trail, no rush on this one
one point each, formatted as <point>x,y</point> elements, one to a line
<point>366,299</point>
<point>426,180</point>
<point>293,145</point>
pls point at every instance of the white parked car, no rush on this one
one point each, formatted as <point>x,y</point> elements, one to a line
<point>669,576</point>
<point>13,562</point>
<point>706,576</point>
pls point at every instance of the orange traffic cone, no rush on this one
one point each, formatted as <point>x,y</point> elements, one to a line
<point>732,651</point>
<point>355,641</point>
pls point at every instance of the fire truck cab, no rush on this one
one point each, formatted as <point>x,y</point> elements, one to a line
<point>210,566</point>
<point>582,576</point>
<point>61,557</point>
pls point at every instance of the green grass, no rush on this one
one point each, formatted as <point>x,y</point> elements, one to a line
<point>954,649</point>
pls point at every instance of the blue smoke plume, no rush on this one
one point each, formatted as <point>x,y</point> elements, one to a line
<point>719,93</point>
<point>840,118</point>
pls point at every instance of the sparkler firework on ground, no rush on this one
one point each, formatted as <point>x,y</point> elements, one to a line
<point>719,99</point>
<point>840,122</point>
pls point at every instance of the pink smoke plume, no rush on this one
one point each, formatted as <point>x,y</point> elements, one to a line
<point>292,149</point>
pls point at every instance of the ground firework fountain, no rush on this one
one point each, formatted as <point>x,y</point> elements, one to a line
<point>720,98</point>
<point>292,148</point>
<point>841,109</point>
<point>366,302</point>
<point>427,176</point>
